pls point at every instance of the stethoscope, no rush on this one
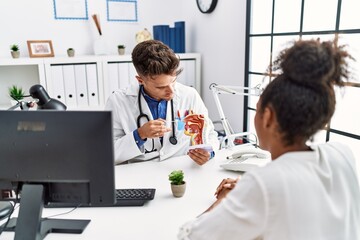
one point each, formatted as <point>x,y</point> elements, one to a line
<point>172,138</point>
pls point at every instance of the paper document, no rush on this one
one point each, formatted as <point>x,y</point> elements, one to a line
<point>206,147</point>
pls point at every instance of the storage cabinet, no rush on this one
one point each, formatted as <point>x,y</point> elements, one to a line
<point>75,85</point>
<point>189,72</point>
<point>118,72</point>
<point>77,82</point>
<point>83,82</point>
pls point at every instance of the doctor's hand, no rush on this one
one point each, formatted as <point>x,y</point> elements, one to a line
<point>153,129</point>
<point>200,156</point>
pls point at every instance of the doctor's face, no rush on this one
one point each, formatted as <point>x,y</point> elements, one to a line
<point>160,87</point>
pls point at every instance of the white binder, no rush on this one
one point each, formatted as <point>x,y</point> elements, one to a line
<point>124,74</point>
<point>120,75</point>
<point>132,73</point>
<point>92,80</point>
<point>70,87</point>
<point>81,85</point>
<point>113,77</point>
<point>57,83</point>
<point>187,76</point>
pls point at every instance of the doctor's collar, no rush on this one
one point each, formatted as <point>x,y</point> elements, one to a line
<point>147,97</point>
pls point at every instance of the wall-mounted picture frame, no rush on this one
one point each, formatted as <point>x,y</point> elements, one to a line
<point>40,48</point>
<point>122,10</point>
<point>70,9</point>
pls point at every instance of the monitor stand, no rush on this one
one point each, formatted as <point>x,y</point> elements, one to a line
<point>30,225</point>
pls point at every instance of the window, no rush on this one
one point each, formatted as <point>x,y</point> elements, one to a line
<point>272,24</point>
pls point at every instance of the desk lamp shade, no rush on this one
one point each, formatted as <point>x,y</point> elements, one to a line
<point>45,102</point>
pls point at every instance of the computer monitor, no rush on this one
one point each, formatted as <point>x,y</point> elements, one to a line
<point>56,156</point>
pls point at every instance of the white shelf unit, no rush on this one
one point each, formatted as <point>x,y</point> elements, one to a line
<point>82,82</point>
<point>77,82</point>
<point>118,72</point>
<point>22,72</point>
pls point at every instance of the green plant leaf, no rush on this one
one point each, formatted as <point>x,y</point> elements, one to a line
<point>14,47</point>
<point>16,93</point>
<point>176,177</point>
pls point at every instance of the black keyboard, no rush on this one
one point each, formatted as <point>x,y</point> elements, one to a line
<point>134,196</point>
<point>135,193</point>
<point>124,197</point>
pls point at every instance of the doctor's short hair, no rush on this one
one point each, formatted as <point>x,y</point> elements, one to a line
<point>152,58</point>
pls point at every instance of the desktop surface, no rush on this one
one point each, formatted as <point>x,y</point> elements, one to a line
<point>154,220</point>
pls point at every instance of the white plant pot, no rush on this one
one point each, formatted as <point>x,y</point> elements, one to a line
<point>15,54</point>
<point>178,190</point>
<point>121,51</point>
<point>71,53</point>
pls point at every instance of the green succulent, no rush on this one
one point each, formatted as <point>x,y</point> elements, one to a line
<point>121,46</point>
<point>176,177</point>
<point>14,47</point>
<point>16,93</point>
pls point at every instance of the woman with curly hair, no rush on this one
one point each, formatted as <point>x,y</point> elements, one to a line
<point>307,191</point>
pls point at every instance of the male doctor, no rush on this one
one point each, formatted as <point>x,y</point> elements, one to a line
<point>147,114</point>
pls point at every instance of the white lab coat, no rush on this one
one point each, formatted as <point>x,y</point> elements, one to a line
<point>125,109</point>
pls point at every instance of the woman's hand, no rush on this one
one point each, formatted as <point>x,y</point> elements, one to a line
<point>225,187</point>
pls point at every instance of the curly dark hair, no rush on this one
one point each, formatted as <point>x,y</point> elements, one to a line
<point>152,58</point>
<point>302,95</point>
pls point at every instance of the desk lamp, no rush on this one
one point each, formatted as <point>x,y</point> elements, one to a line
<point>233,90</point>
<point>45,102</point>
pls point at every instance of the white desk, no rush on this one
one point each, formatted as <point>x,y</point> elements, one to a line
<point>160,218</point>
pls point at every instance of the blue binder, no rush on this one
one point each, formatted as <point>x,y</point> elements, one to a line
<point>180,26</point>
<point>161,33</point>
<point>173,37</point>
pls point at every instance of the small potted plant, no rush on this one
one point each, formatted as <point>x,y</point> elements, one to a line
<point>178,185</point>
<point>15,53</point>
<point>121,49</point>
<point>16,93</point>
<point>71,52</point>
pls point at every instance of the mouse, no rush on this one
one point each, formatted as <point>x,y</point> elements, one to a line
<point>5,209</point>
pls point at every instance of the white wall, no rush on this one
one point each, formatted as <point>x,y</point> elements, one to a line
<point>38,23</point>
<point>219,37</point>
